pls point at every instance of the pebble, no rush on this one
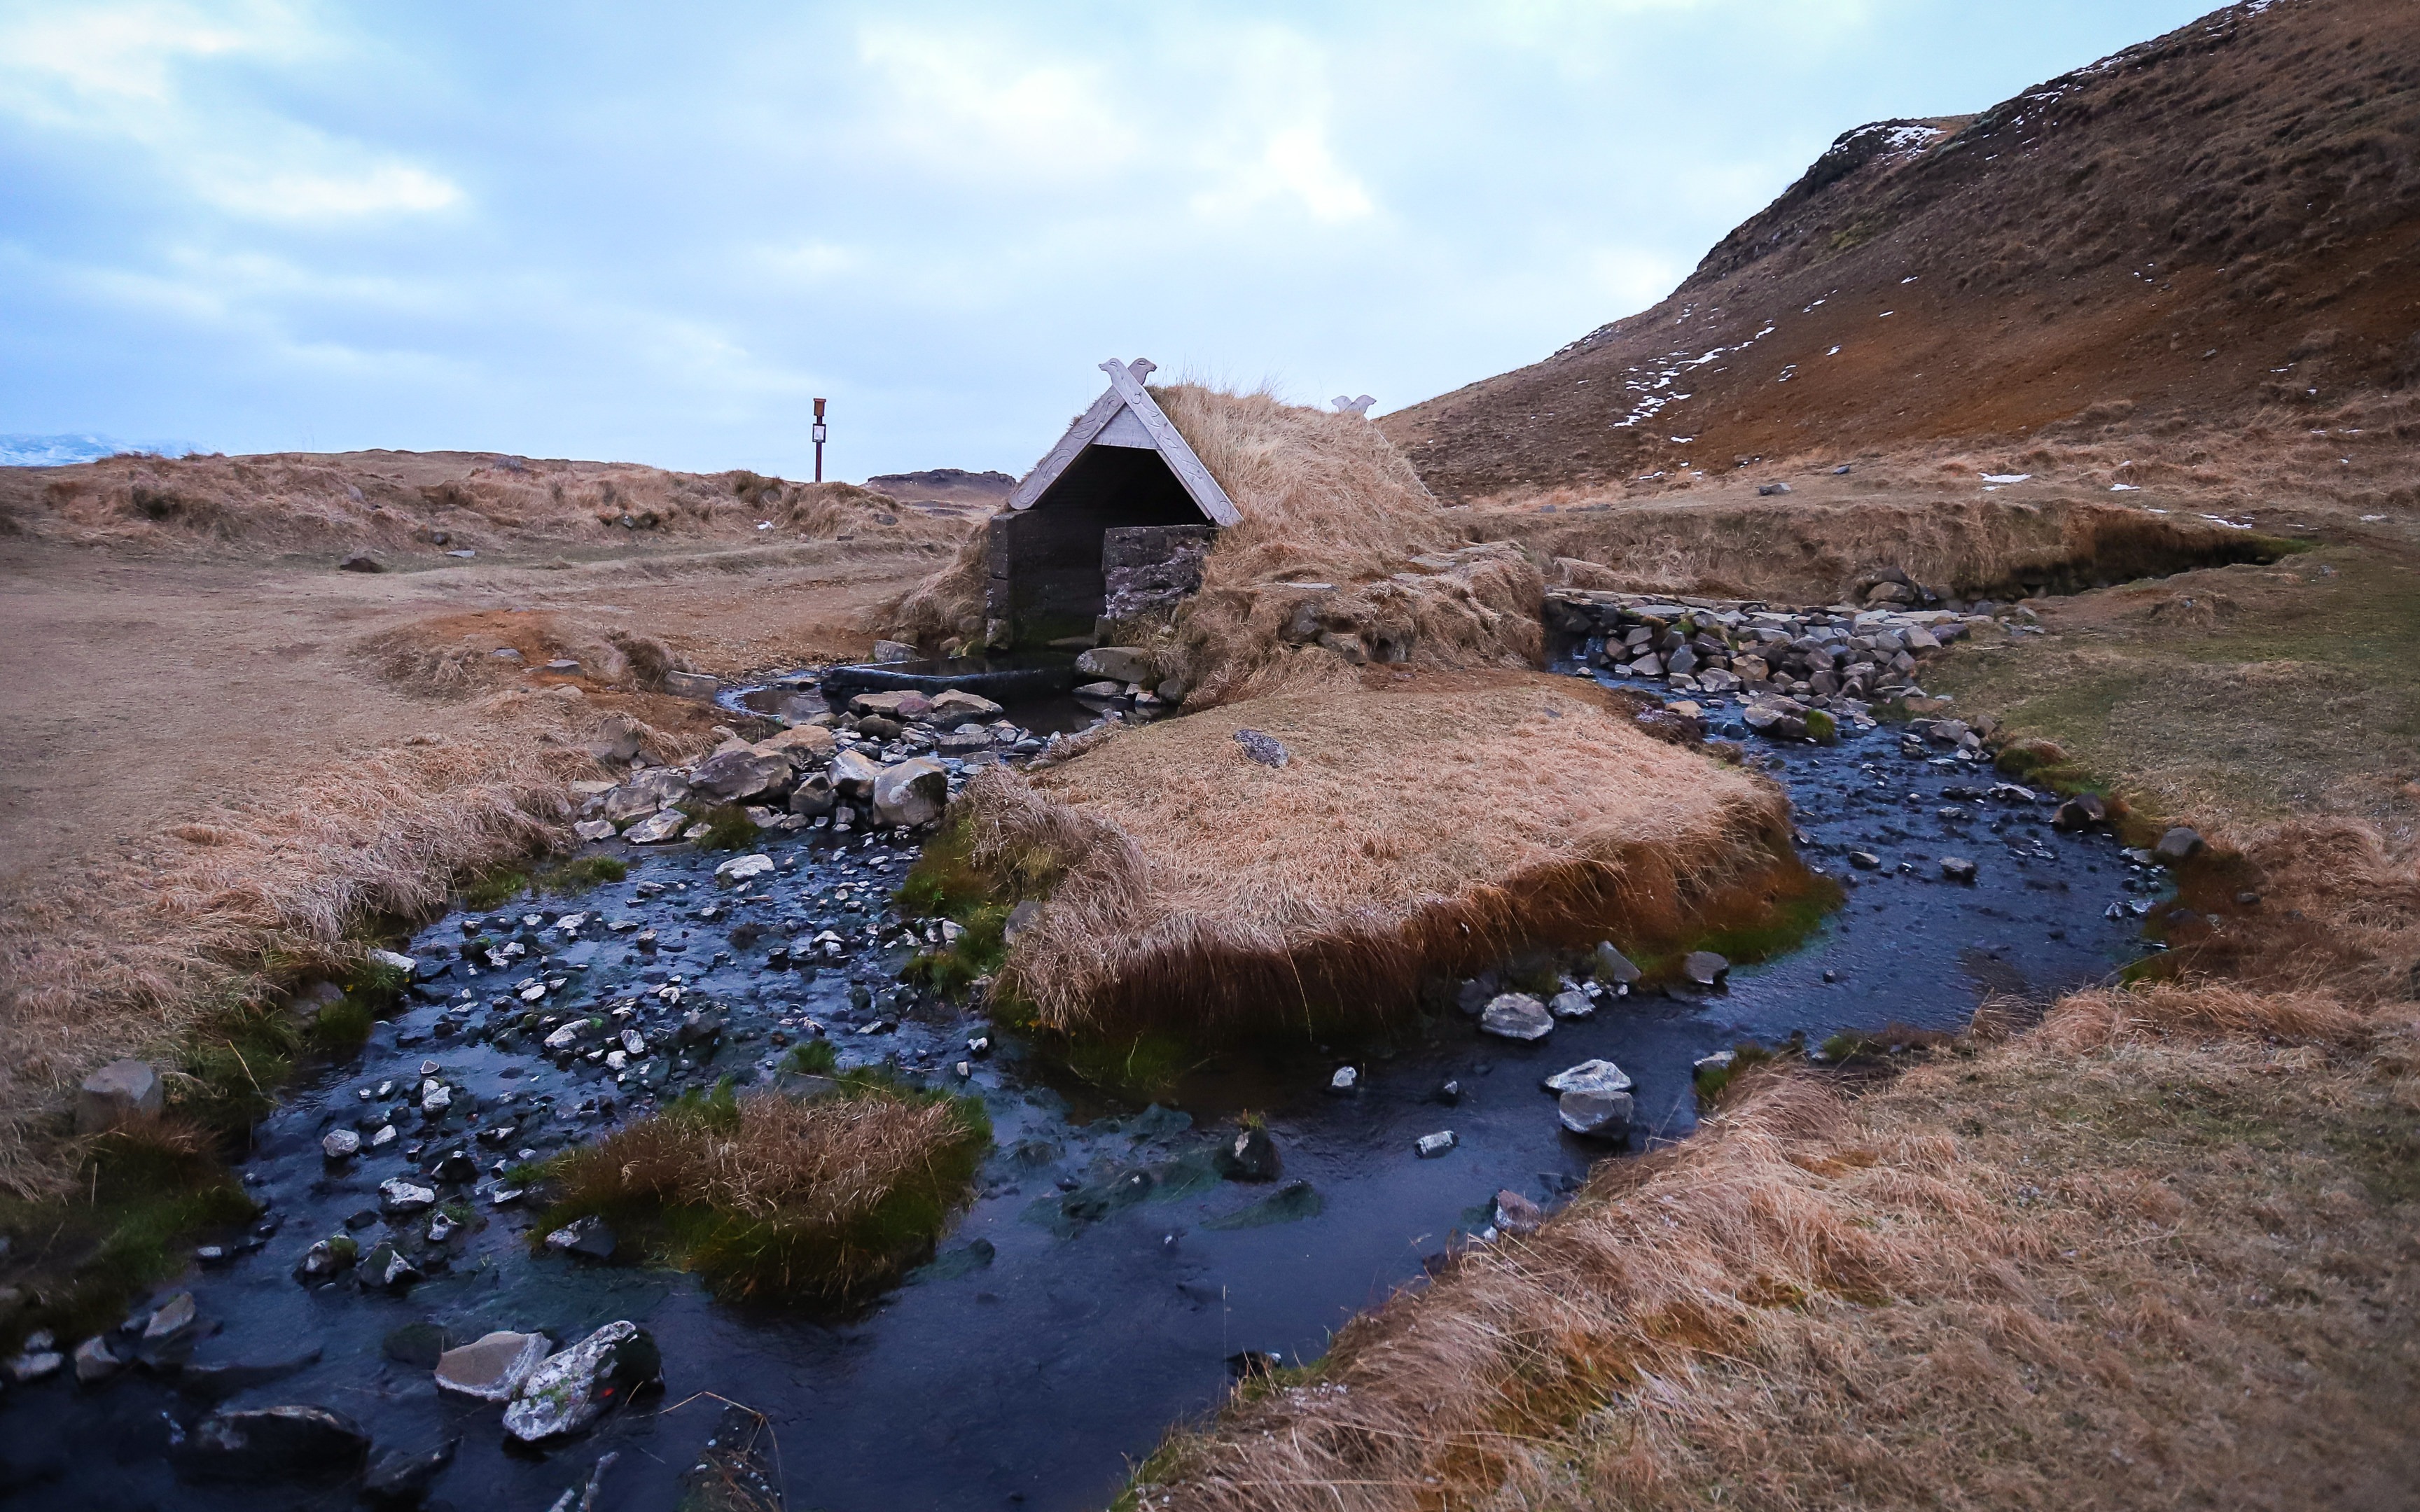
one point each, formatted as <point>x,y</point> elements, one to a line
<point>1430,1146</point>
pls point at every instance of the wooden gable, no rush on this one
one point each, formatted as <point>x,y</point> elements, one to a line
<point>1128,416</point>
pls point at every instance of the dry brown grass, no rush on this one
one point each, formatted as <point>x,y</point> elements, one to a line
<point>397,503</point>
<point>131,953</point>
<point>2143,1257</point>
<point>1423,822</point>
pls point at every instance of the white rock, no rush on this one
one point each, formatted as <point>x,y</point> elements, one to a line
<point>743,869</point>
<point>1516,1017</point>
<point>1431,1145</point>
<point>397,1196</point>
<point>395,959</point>
<point>657,829</point>
<point>1571,1004</point>
<point>1596,1113</point>
<point>341,1143</point>
<point>1589,1076</point>
<point>573,1389</point>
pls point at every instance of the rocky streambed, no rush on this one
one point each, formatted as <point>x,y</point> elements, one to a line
<point>1120,1258</point>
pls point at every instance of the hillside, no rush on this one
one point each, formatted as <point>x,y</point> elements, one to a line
<point>2221,220</point>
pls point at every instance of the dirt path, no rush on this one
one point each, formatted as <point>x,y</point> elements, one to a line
<point>141,688</point>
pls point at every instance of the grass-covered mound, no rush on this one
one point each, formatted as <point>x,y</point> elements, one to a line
<point>1420,824</point>
<point>779,1197</point>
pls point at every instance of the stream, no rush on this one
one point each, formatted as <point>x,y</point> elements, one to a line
<point>1059,1333</point>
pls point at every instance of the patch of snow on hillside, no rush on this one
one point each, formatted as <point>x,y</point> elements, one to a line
<point>63,451</point>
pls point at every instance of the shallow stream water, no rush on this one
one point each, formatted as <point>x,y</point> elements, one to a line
<point>1058,1335</point>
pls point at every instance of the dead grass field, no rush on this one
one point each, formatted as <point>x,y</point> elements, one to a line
<point>1422,822</point>
<point>217,773</point>
<point>2156,1252</point>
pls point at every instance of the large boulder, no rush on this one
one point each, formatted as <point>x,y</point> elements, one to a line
<point>906,705</point>
<point>1600,1115</point>
<point>274,1444</point>
<point>1118,664</point>
<point>853,773</point>
<point>738,775</point>
<point>959,704</point>
<point>119,1092</point>
<point>575,1388</point>
<point>813,795</point>
<point>492,1367</point>
<point>912,793</point>
<point>801,746</point>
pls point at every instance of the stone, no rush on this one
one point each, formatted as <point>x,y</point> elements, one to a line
<point>813,795</point>
<point>853,773</point>
<point>436,1100</point>
<point>359,563</point>
<point>1599,1114</point>
<point>401,1478</point>
<point>1767,490</point>
<point>1346,1082</point>
<point>617,738</point>
<point>1251,1155</point>
<point>492,1367</point>
<point>799,745</point>
<point>170,1318</point>
<point>35,1365</point>
<point>1516,1017</point>
<point>1589,1076</point>
<point>1889,592</point>
<point>895,651</point>
<point>737,776</point>
<point>905,706</point>
<point>388,1269</point>
<point>341,1143</point>
<point>2179,844</point>
<point>691,684</point>
<point>272,1444</point>
<point>957,703</point>
<point>1571,1003</point>
<point>1102,689</point>
<point>914,792</point>
<point>1517,1214</point>
<point>573,1389</point>
<point>1430,1146</point>
<point>324,1260</point>
<point>119,1092</point>
<point>1118,664</point>
<point>1612,965</point>
<point>657,829</point>
<point>1264,749</point>
<point>399,1197</point>
<point>742,871</point>
<point>592,830</point>
<point>1681,663</point>
<point>94,1364</point>
<point>1706,968</point>
<point>1865,860</point>
<point>2080,812</point>
<point>1957,869</point>
<point>588,1238</point>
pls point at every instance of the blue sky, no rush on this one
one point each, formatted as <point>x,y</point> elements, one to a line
<point>654,233</point>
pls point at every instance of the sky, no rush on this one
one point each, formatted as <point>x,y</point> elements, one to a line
<point>656,233</point>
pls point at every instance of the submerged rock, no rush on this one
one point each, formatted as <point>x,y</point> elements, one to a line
<point>1290,1203</point>
<point>575,1388</point>
<point>492,1367</point>
<point>588,1238</point>
<point>1516,1017</point>
<point>735,1471</point>
<point>274,1444</point>
<point>401,1477</point>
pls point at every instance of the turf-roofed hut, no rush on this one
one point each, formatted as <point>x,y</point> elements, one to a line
<point>1440,805</point>
<point>1112,523</point>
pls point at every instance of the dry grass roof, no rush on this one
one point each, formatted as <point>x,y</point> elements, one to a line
<point>1421,822</point>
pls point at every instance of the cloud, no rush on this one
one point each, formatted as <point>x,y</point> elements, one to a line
<point>972,105</point>
<point>124,74</point>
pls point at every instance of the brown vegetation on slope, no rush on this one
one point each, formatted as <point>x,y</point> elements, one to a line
<point>422,504</point>
<point>2222,222</point>
<point>1421,824</point>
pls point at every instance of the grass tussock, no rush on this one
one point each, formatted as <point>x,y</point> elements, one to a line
<point>1433,825</point>
<point>2135,1257</point>
<point>774,1197</point>
<point>152,951</point>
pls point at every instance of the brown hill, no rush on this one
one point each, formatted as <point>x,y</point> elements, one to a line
<point>2221,220</point>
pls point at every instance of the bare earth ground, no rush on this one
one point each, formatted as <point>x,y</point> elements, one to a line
<point>143,688</point>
